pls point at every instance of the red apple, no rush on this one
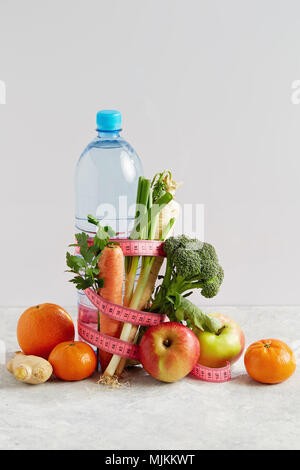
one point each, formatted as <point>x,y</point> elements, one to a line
<point>169,351</point>
<point>226,345</point>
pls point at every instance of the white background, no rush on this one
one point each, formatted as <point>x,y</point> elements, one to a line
<point>204,88</point>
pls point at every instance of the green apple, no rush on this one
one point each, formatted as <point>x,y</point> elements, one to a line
<point>225,345</point>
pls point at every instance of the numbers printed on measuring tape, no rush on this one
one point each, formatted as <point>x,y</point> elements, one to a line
<point>107,343</point>
<point>140,247</point>
<point>135,247</point>
<point>210,374</point>
<point>123,314</point>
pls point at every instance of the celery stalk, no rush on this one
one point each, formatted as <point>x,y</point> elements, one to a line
<point>131,263</point>
<point>143,227</point>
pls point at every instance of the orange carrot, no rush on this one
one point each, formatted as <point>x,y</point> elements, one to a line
<point>111,266</point>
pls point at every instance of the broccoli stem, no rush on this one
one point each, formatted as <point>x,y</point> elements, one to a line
<point>186,310</point>
<point>193,314</point>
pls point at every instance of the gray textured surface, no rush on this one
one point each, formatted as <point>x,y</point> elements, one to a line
<point>189,414</point>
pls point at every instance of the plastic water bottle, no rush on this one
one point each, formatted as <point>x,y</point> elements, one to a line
<point>106,181</point>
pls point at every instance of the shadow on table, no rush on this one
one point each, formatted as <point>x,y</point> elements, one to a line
<point>245,380</point>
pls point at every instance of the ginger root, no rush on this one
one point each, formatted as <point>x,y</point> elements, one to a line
<point>29,369</point>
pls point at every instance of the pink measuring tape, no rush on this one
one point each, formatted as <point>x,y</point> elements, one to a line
<point>87,317</point>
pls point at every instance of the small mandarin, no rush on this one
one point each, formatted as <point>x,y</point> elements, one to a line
<point>270,361</point>
<point>73,360</point>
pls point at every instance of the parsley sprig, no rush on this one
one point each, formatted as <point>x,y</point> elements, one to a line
<point>85,267</point>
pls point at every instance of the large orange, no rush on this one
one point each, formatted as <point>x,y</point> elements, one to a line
<point>42,327</point>
<point>73,360</point>
<point>270,361</point>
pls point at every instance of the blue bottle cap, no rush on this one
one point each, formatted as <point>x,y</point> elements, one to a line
<point>108,120</point>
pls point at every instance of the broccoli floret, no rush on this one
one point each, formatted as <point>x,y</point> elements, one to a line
<point>220,274</point>
<point>191,264</point>
<point>210,288</point>
<point>209,262</point>
<point>187,262</point>
<point>172,244</point>
<point>194,265</point>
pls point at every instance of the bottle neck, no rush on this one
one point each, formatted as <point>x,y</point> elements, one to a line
<point>108,135</point>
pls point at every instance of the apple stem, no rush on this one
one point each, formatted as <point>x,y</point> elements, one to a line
<point>220,330</point>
